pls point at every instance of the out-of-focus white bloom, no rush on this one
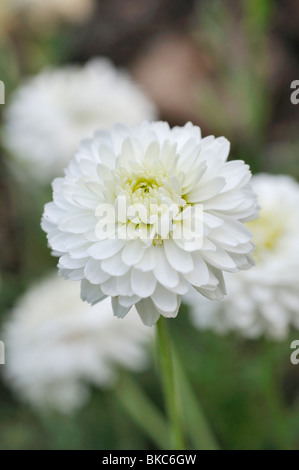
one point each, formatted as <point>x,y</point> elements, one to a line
<point>147,254</point>
<point>264,300</point>
<point>49,11</point>
<point>51,113</point>
<point>56,344</point>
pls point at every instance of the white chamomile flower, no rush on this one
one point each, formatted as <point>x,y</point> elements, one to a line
<point>179,212</point>
<point>56,344</point>
<point>51,113</point>
<point>264,300</point>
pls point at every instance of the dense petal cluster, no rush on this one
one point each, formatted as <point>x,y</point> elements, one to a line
<point>51,113</point>
<point>56,345</point>
<point>182,224</point>
<point>264,300</point>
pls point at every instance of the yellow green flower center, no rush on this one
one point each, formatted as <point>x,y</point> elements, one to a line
<point>267,231</point>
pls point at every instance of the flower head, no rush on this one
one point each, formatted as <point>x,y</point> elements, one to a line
<point>56,345</point>
<point>144,212</point>
<point>50,114</point>
<point>264,300</point>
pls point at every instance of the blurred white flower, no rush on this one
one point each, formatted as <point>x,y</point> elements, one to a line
<point>41,12</point>
<point>56,345</point>
<point>166,177</point>
<point>51,113</point>
<point>264,300</point>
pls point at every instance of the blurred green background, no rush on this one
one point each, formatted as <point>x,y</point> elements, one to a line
<point>226,66</point>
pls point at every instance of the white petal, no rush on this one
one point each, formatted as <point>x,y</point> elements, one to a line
<point>172,313</point>
<point>220,259</point>
<point>128,300</point>
<point>77,222</point>
<point>226,201</point>
<point>164,273</point>
<point>148,260</point>
<point>182,287</point>
<point>73,241</point>
<point>94,273</point>
<point>210,291</point>
<point>107,156</point>
<point>236,174</point>
<point>115,266</point>
<point>105,248</point>
<point>66,261</point>
<point>147,311</point>
<point>91,293</point>
<point>132,252</point>
<point>52,212</point>
<point>75,274</point>
<point>199,276</point>
<point>124,284</point>
<point>180,260</point>
<point>164,300</point>
<point>204,191</point>
<point>143,283</point>
<point>109,287</point>
<point>118,310</point>
<point>242,261</point>
<point>152,152</point>
<point>80,252</point>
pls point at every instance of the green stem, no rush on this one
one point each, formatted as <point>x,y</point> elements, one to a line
<point>170,385</point>
<point>274,400</point>
<point>143,412</point>
<point>200,433</point>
